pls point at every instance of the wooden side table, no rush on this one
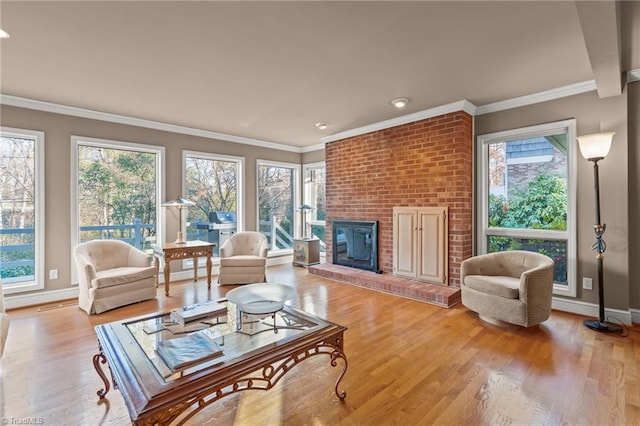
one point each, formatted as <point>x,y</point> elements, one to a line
<point>306,251</point>
<point>189,250</point>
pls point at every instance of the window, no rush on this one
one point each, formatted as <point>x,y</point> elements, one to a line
<point>214,183</point>
<point>528,195</point>
<point>117,188</point>
<point>315,196</point>
<point>22,210</point>
<point>278,184</point>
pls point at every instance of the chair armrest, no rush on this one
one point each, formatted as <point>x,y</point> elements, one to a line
<point>226,250</point>
<point>264,249</point>
<point>139,258</point>
<point>537,283</point>
<point>477,265</point>
<point>86,270</point>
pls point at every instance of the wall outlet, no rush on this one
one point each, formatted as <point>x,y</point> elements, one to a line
<point>53,274</point>
<point>587,283</point>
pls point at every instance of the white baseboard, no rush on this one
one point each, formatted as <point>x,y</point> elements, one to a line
<point>13,301</point>
<point>280,260</point>
<point>592,310</point>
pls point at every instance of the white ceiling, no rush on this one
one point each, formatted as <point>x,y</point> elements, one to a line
<point>271,70</point>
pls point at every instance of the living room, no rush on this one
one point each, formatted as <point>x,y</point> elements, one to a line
<point>82,113</point>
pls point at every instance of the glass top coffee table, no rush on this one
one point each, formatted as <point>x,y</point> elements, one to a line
<point>167,372</point>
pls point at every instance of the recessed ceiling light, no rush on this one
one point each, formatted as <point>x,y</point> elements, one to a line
<point>322,126</point>
<point>3,34</point>
<point>400,102</point>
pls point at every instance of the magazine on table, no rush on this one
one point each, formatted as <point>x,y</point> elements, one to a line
<point>184,351</point>
<point>198,311</point>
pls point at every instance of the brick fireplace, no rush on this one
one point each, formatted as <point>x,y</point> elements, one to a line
<point>424,163</point>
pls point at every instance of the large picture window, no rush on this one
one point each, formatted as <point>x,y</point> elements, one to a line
<point>214,183</point>
<point>278,186</point>
<point>22,210</point>
<point>528,195</point>
<point>117,188</point>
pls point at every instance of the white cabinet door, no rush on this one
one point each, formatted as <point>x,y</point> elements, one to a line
<point>404,243</point>
<point>420,243</point>
<point>432,251</point>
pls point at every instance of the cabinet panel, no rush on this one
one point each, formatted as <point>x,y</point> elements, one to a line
<point>404,241</point>
<point>420,243</point>
<point>433,240</point>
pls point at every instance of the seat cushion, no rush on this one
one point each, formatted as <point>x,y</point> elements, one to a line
<point>244,260</point>
<point>123,275</point>
<point>496,285</point>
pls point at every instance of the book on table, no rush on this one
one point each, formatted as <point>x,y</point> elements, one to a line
<point>198,311</point>
<point>185,351</point>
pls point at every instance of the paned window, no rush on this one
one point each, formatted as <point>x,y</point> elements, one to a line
<point>528,195</point>
<point>22,210</point>
<point>117,191</point>
<point>315,196</point>
<point>214,183</point>
<point>278,186</point>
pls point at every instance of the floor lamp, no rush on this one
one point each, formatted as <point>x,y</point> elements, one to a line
<point>595,147</point>
<point>179,203</point>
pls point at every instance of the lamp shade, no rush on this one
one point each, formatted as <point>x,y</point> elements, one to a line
<point>596,145</point>
<point>178,202</point>
<point>305,208</point>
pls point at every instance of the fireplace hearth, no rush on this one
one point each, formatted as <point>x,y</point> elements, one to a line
<point>355,244</point>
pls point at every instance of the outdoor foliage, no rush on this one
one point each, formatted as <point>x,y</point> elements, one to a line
<point>542,205</point>
<point>275,197</point>
<point>212,185</point>
<point>17,206</point>
<point>116,187</point>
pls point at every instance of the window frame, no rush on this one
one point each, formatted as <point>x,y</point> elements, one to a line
<point>296,197</point>
<point>306,196</point>
<point>240,179</point>
<point>158,150</point>
<point>39,211</point>
<point>188,263</point>
<point>569,235</point>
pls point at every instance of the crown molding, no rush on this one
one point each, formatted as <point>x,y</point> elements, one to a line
<point>312,148</point>
<point>34,104</point>
<point>535,98</point>
<point>462,105</point>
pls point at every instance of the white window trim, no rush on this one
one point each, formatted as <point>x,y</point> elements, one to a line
<point>296,197</point>
<point>568,126</point>
<point>39,232</point>
<point>76,141</point>
<point>188,263</point>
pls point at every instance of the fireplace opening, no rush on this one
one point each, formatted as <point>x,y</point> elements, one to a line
<point>355,244</point>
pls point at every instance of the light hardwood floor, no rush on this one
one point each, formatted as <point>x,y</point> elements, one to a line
<point>410,363</point>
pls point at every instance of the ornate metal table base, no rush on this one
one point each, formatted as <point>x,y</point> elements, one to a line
<point>266,370</point>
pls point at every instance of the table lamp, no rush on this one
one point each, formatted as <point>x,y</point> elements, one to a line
<point>179,203</point>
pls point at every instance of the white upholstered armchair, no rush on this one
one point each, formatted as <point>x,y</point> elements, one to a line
<point>511,286</point>
<point>243,259</point>
<point>112,273</point>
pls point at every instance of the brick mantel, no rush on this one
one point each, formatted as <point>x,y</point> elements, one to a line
<point>424,163</point>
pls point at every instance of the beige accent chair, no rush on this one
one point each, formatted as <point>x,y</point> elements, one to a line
<point>4,322</point>
<point>243,259</point>
<point>112,273</point>
<point>510,286</point>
